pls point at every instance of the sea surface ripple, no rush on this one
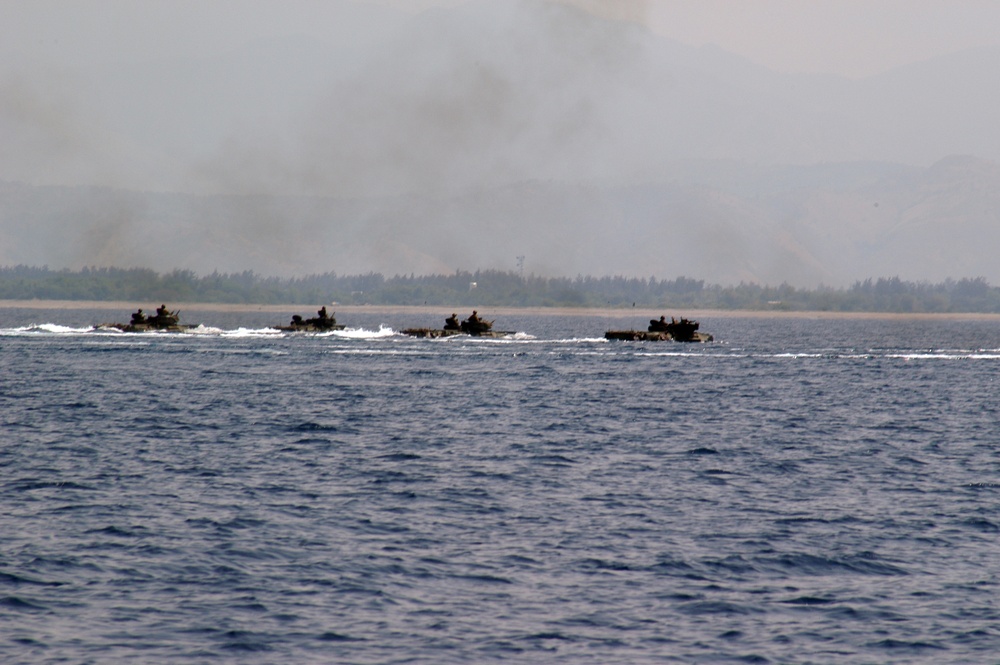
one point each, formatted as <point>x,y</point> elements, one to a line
<point>799,491</point>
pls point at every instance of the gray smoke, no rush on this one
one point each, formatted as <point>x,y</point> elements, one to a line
<point>469,134</point>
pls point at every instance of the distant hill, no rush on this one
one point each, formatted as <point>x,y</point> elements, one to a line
<point>721,222</point>
<point>468,135</point>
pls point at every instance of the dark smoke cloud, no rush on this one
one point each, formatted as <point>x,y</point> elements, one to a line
<point>483,94</point>
<point>464,136</point>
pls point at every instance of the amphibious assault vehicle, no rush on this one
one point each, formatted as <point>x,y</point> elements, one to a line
<point>473,326</point>
<point>661,330</point>
<point>322,322</point>
<point>163,321</point>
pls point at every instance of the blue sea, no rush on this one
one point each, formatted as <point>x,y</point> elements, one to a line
<point>805,490</point>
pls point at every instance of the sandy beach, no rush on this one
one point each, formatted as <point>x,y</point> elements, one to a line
<point>640,312</point>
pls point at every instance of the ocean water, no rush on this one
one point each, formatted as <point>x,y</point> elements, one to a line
<point>799,491</point>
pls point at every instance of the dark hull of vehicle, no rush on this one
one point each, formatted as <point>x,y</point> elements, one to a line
<point>644,336</point>
<point>148,327</point>
<point>438,332</point>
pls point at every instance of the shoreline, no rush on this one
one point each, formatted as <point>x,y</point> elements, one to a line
<point>640,312</point>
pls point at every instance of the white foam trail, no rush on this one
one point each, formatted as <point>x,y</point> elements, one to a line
<point>798,355</point>
<point>943,356</point>
<point>55,328</point>
<point>202,329</point>
<point>368,351</point>
<point>673,354</point>
<point>509,339</point>
<point>253,332</point>
<point>361,333</point>
<point>580,340</point>
<point>46,329</point>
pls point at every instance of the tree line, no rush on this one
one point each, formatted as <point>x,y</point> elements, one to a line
<point>491,288</point>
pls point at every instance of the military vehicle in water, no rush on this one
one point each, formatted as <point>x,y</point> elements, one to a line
<point>473,326</point>
<point>661,330</point>
<point>163,321</point>
<point>322,322</point>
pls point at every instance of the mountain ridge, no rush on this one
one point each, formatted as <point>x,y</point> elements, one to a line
<point>846,223</point>
<point>464,137</point>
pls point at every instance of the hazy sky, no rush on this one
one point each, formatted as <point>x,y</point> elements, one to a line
<point>367,101</point>
<point>849,37</point>
<point>167,94</point>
